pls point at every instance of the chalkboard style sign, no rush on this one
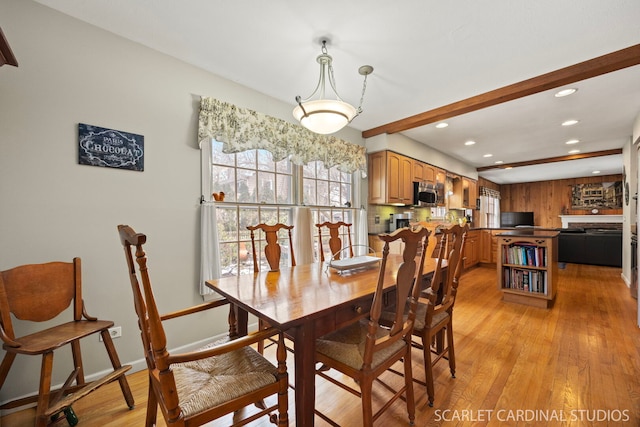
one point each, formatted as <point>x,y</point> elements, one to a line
<point>110,148</point>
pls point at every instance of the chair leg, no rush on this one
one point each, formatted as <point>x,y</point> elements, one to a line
<point>428,368</point>
<point>7,361</point>
<point>408,384</point>
<point>45,389</point>
<point>366,386</point>
<point>152,407</point>
<point>452,356</point>
<point>115,362</point>
<point>77,361</point>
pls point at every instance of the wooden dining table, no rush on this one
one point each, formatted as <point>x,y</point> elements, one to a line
<point>307,301</point>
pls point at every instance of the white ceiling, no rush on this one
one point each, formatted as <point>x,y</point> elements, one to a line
<point>426,54</point>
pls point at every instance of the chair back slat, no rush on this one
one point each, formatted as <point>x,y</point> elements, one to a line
<point>272,249</point>
<point>335,242</point>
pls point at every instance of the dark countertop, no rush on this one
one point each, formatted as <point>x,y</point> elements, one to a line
<point>530,232</point>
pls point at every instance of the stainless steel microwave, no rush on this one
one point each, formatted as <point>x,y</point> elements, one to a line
<point>424,194</point>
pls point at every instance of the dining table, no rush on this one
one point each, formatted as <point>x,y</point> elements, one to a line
<point>308,301</point>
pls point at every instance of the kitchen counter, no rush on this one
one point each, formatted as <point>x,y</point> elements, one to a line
<point>530,232</point>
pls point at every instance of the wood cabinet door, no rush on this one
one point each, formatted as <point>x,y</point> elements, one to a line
<point>378,177</point>
<point>394,178</point>
<point>441,179</point>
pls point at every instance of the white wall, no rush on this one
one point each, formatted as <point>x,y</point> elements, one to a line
<point>52,208</point>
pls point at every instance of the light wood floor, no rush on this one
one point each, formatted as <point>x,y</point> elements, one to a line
<point>516,365</point>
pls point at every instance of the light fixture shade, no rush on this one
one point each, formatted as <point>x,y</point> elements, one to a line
<point>324,116</point>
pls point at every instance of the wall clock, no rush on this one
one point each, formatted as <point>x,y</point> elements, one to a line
<point>626,193</point>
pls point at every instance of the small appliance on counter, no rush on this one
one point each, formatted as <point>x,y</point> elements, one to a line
<point>398,221</point>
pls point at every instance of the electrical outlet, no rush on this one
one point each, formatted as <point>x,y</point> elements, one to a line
<point>115,332</point>
<point>377,219</point>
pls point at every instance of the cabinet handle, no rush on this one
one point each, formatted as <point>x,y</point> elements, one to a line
<point>358,309</point>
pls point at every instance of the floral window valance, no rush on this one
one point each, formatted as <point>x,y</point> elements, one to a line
<point>242,129</point>
<point>485,191</point>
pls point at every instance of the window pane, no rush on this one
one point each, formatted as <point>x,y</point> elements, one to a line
<point>228,259</point>
<point>223,179</point>
<point>269,215</point>
<point>346,195</point>
<point>309,170</point>
<point>248,216</point>
<point>322,196</point>
<point>227,224</point>
<point>247,159</point>
<point>284,189</point>
<point>309,192</point>
<point>246,186</point>
<point>322,172</point>
<point>334,194</point>
<point>334,174</point>
<point>218,157</point>
<point>265,161</point>
<point>266,189</point>
<point>284,166</point>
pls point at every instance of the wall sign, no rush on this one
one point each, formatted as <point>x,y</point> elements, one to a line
<point>110,148</point>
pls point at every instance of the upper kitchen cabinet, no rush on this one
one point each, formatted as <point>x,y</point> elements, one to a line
<point>453,191</point>
<point>423,172</point>
<point>469,193</point>
<point>391,177</point>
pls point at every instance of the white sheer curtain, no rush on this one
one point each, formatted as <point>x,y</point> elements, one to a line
<point>302,232</point>
<point>209,259</point>
<point>489,208</point>
<point>362,233</point>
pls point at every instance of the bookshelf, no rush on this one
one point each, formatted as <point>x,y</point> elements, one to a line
<point>527,262</point>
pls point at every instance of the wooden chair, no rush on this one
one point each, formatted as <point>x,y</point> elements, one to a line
<point>365,349</point>
<point>272,250</point>
<point>434,314</point>
<point>39,293</point>
<point>196,387</point>
<point>335,242</point>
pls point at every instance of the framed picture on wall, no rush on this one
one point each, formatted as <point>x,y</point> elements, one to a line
<point>110,148</point>
<point>605,195</point>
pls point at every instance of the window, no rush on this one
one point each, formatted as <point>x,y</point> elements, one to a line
<point>259,190</point>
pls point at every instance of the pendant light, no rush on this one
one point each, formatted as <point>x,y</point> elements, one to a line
<point>322,115</point>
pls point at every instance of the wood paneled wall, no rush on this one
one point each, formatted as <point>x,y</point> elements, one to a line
<point>548,199</point>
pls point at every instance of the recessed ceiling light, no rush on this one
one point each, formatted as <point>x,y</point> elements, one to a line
<point>469,143</point>
<point>488,155</point>
<point>442,125</point>
<point>572,141</point>
<point>574,151</point>
<point>569,122</point>
<point>595,172</point>
<point>565,92</point>
<point>499,162</point>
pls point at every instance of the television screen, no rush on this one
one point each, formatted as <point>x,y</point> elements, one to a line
<point>514,219</point>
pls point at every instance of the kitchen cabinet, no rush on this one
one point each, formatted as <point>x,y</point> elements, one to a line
<point>488,245</point>
<point>423,172</point>
<point>472,249</point>
<point>453,190</point>
<point>469,193</point>
<point>390,178</point>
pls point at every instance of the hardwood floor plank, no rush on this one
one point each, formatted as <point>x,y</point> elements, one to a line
<point>582,355</point>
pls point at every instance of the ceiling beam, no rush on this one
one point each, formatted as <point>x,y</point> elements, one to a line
<point>584,70</point>
<point>553,159</point>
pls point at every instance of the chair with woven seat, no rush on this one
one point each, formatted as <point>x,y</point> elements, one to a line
<point>39,293</point>
<point>434,315</point>
<point>365,349</point>
<point>272,252</point>
<point>334,242</point>
<point>197,387</point>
